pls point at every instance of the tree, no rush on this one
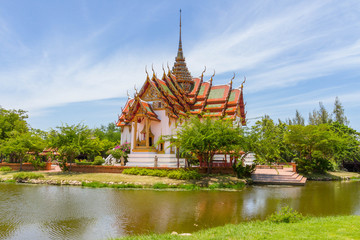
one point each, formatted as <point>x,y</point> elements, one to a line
<point>320,117</point>
<point>338,112</point>
<point>268,142</point>
<point>313,118</point>
<point>109,132</point>
<point>347,148</point>
<point>73,140</point>
<point>205,137</point>
<point>297,120</point>
<point>314,144</point>
<point>19,145</point>
<point>11,122</point>
<point>324,116</point>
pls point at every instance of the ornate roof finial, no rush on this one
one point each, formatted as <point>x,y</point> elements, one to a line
<point>202,74</point>
<point>211,79</point>
<point>147,74</point>
<point>168,66</point>
<point>152,68</point>
<point>242,84</point>
<point>127,93</point>
<point>231,81</point>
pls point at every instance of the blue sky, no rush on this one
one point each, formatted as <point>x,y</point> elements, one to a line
<point>73,61</point>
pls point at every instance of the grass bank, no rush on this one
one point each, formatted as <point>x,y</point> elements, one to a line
<point>115,180</point>
<point>340,227</point>
<point>333,176</point>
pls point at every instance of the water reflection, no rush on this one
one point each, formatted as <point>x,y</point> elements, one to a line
<point>52,212</point>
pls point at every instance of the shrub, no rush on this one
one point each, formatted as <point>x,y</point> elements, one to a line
<point>5,169</point>
<point>102,185</point>
<point>285,215</point>
<point>131,171</point>
<point>120,151</point>
<point>220,185</point>
<point>62,165</point>
<point>98,161</point>
<point>189,186</point>
<point>158,173</point>
<point>78,162</point>
<point>26,176</point>
<point>317,164</point>
<point>160,186</point>
<point>180,174</point>
<point>243,171</point>
<point>37,163</point>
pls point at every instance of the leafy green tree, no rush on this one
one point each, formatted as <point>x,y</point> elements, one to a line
<point>18,146</point>
<point>347,148</point>
<point>12,122</point>
<point>268,141</point>
<point>314,144</point>
<point>339,115</point>
<point>109,132</point>
<point>297,120</point>
<point>73,140</point>
<point>205,137</point>
<point>320,116</point>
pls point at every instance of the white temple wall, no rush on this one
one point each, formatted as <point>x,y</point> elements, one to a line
<point>162,128</point>
<point>125,135</point>
<point>140,127</point>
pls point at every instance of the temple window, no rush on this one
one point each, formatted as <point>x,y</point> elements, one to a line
<point>157,105</point>
<point>172,149</point>
<point>161,148</point>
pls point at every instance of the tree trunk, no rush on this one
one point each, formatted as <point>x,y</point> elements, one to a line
<point>178,157</point>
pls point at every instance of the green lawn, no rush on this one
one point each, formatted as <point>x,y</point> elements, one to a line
<point>340,227</point>
<point>130,179</point>
<point>339,175</point>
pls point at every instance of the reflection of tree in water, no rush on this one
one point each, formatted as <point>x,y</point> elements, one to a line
<point>74,228</point>
<point>262,201</point>
<point>7,229</point>
<point>141,212</point>
<point>337,198</point>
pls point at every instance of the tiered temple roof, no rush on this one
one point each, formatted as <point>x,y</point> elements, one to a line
<point>181,95</point>
<point>204,99</point>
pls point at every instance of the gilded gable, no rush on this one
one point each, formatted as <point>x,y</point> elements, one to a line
<point>151,94</point>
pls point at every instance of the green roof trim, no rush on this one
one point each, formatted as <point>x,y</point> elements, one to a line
<point>232,96</point>
<point>167,89</point>
<point>202,89</point>
<point>211,113</point>
<point>213,105</point>
<point>216,93</point>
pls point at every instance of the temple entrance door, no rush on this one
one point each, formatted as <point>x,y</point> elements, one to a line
<point>150,141</point>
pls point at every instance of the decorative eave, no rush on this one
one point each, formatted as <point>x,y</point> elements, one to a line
<point>172,78</point>
<point>228,96</point>
<point>208,92</point>
<point>198,89</point>
<point>170,102</point>
<point>172,88</point>
<point>241,106</point>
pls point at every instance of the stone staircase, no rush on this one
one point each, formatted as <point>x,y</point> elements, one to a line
<point>278,177</point>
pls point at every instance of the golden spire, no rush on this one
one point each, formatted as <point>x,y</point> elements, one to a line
<point>180,55</point>
<point>180,70</point>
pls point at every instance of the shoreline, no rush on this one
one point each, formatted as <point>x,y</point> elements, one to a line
<point>332,227</point>
<point>124,181</point>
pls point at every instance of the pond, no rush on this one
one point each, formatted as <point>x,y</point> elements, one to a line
<point>54,212</point>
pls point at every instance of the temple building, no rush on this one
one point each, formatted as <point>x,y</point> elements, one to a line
<point>161,104</point>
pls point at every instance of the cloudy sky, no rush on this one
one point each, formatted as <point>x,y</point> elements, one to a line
<point>73,61</point>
